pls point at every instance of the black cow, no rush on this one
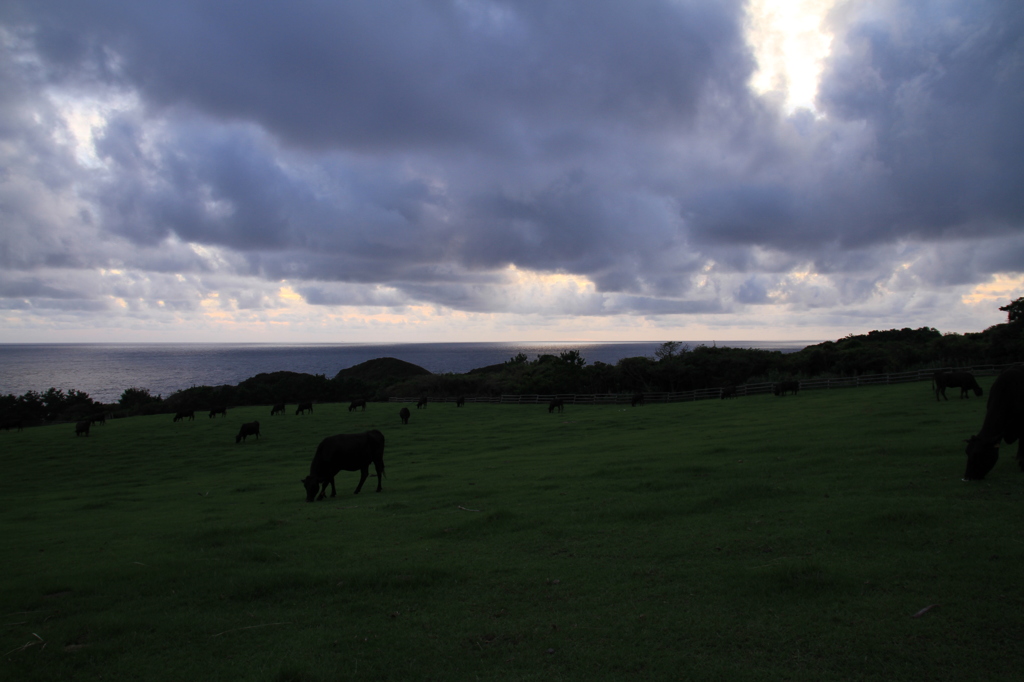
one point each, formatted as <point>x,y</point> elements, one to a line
<point>8,425</point>
<point>349,452</point>
<point>301,409</point>
<point>404,414</point>
<point>250,429</point>
<point>638,399</point>
<point>422,403</point>
<point>728,392</point>
<point>460,401</point>
<point>963,380</point>
<point>783,387</point>
<point>82,427</point>
<point>98,419</point>
<point>222,411</point>
<point>1004,420</point>
<point>357,404</point>
<point>277,409</point>
<point>182,414</point>
<point>556,404</point>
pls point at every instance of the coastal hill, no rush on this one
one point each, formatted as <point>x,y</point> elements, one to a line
<point>381,371</point>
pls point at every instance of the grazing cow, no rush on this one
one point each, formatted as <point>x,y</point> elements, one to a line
<point>460,401</point>
<point>98,419</point>
<point>404,414</point>
<point>183,414</point>
<point>638,399</point>
<point>556,404</point>
<point>82,427</point>
<point>349,452</point>
<point>301,409</point>
<point>357,404</point>
<point>963,380</point>
<point>422,403</point>
<point>222,411</point>
<point>1004,420</point>
<point>783,387</point>
<point>277,409</point>
<point>8,425</point>
<point>250,429</point>
<point>728,392</point>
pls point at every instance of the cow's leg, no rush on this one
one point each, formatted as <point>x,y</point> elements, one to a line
<point>334,491</point>
<point>364,473</point>
<point>323,490</point>
<point>380,477</point>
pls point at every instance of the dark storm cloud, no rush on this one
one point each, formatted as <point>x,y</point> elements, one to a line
<point>424,147</point>
<point>942,86</point>
<point>33,288</point>
<point>394,73</point>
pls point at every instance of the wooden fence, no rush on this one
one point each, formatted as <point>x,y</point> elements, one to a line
<point>715,393</point>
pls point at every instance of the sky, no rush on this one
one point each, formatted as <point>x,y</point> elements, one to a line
<point>508,170</point>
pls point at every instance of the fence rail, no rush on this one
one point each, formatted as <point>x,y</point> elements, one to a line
<point>714,393</point>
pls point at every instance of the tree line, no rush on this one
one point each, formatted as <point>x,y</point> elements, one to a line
<point>674,367</point>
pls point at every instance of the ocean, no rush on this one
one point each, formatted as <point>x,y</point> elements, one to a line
<point>104,371</point>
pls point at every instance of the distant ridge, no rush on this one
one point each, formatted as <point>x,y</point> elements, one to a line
<point>382,371</point>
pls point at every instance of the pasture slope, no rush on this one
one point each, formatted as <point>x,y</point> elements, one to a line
<point>762,538</point>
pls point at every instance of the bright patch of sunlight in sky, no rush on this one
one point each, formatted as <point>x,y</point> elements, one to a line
<point>790,44</point>
<point>1002,288</point>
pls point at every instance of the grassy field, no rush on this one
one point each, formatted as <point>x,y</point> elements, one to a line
<point>759,538</point>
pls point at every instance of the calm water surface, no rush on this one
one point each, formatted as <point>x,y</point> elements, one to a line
<point>105,370</point>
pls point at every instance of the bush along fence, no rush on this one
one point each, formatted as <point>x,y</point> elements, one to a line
<point>761,388</point>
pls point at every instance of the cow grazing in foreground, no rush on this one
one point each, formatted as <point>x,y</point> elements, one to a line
<point>783,387</point>
<point>356,404</point>
<point>183,414</point>
<point>82,427</point>
<point>638,399</point>
<point>348,452</point>
<point>277,409</point>
<point>222,411</point>
<point>965,381</point>
<point>422,403</point>
<point>728,392</point>
<point>250,429</point>
<point>301,409</point>
<point>460,401</point>
<point>556,404</point>
<point>404,414</point>
<point>1004,420</point>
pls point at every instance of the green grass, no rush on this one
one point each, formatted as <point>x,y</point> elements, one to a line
<point>758,538</point>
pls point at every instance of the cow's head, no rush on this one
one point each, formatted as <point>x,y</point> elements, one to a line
<point>312,485</point>
<point>981,457</point>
